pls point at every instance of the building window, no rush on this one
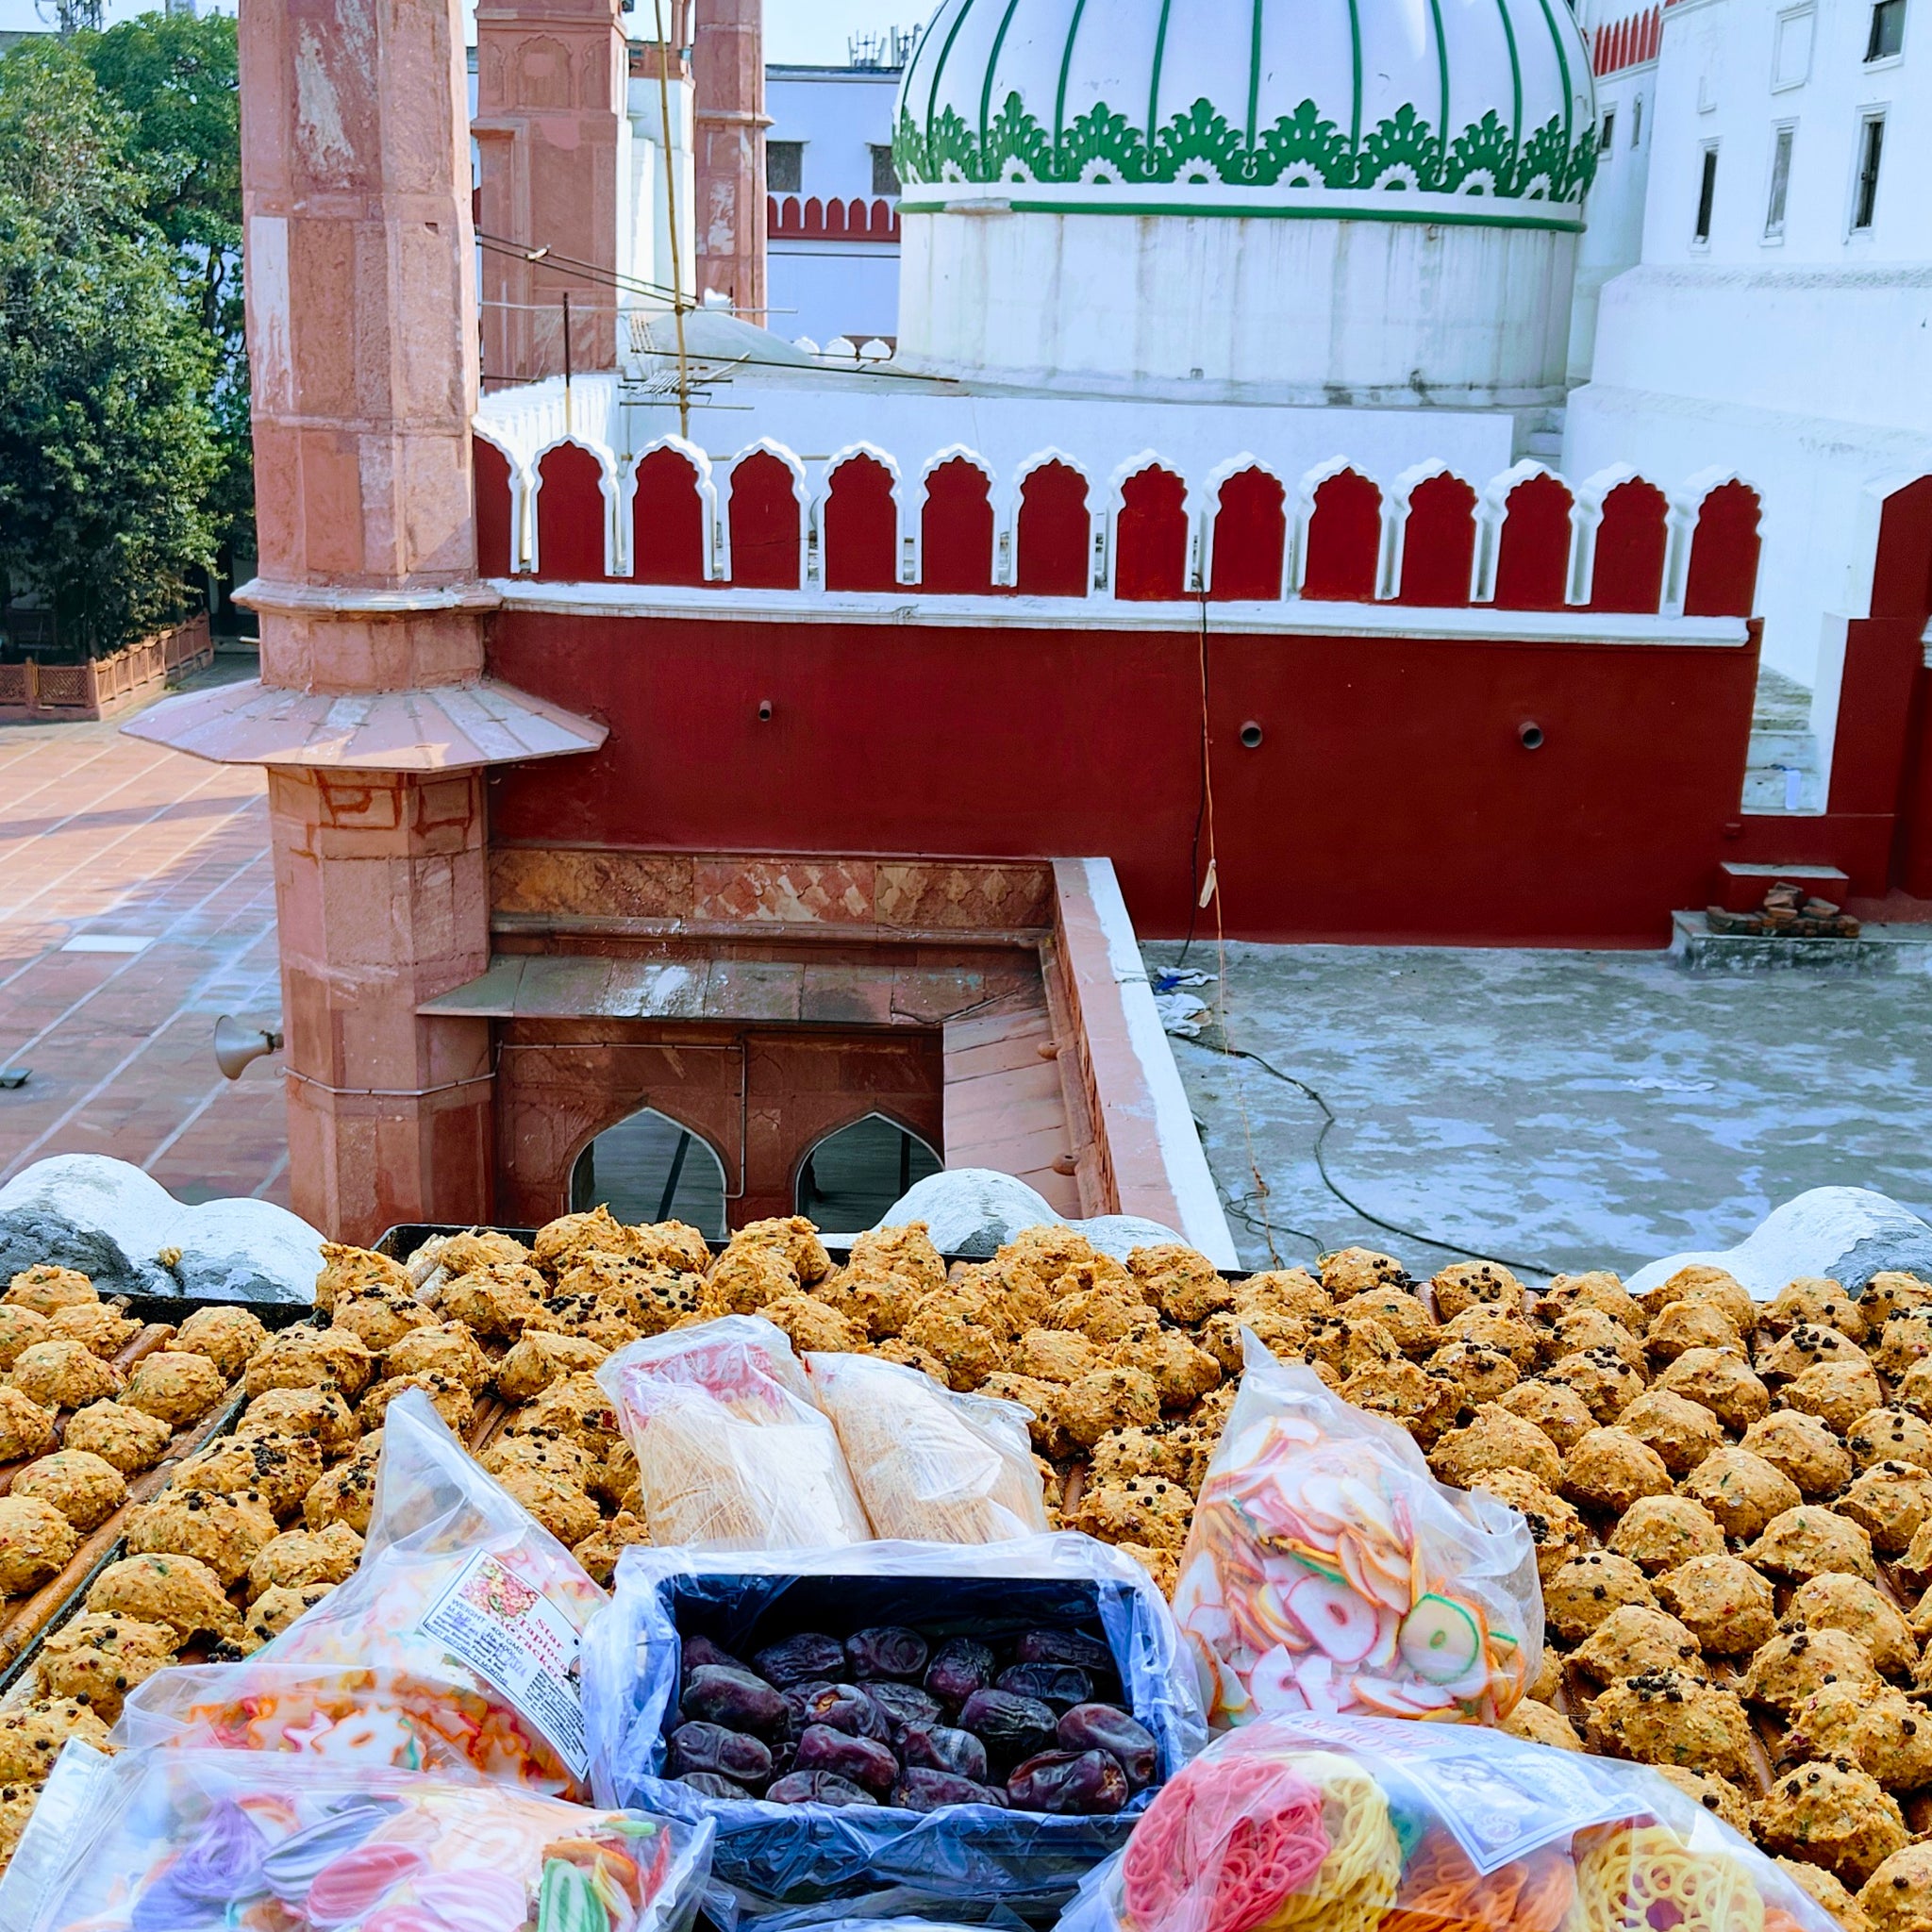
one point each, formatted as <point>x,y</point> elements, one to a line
<point>1791,57</point>
<point>1865,189</point>
<point>885,178</point>
<point>1780,181</point>
<point>785,166</point>
<point>1707,195</point>
<point>1887,39</point>
<point>1637,121</point>
<point>1607,132</point>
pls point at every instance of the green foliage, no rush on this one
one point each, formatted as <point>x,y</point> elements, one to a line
<point>109,453</point>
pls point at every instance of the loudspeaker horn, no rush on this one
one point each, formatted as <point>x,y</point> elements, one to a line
<point>238,1046</point>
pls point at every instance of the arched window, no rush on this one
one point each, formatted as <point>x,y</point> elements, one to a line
<point>1056,533</point>
<point>955,531</point>
<point>850,1180</point>
<point>570,516</point>
<point>1151,538</point>
<point>648,1168</point>
<point>764,524</point>
<point>861,526</point>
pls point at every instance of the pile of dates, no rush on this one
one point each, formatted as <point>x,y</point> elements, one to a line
<point>883,1717</point>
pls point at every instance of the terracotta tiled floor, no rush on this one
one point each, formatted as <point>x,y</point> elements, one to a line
<point>100,835</point>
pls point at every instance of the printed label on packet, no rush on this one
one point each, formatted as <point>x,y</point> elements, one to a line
<point>521,1644</point>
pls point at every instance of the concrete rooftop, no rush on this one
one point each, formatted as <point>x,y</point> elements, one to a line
<point>1575,1109</point>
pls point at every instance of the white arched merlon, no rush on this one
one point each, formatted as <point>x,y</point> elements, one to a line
<point>903,552</point>
<point>1493,512</point>
<point>915,543</point>
<point>1005,511</point>
<point>1395,503</point>
<point>1586,518</point>
<point>1115,500</point>
<point>1296,562</point>
<point>520,522</point>
<point>606,489</point>
<point>1686,505</point>
<point>1216,480</point>
<point>801,495</point>
<point>628,496</point>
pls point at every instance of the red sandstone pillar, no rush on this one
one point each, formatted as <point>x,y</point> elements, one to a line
<point>728,72</point>
<point>551,82</point>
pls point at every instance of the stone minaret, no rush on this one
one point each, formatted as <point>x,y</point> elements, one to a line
<point>728,72</point>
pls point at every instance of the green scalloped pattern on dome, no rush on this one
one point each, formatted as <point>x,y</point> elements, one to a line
<point>1404,152</point>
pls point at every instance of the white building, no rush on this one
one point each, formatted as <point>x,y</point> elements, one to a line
<point>832,230</point>
<point>1777,319</point>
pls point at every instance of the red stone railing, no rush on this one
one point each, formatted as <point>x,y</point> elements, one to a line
<point>100,685</point>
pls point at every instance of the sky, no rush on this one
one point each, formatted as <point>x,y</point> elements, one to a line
<point>802,30</point>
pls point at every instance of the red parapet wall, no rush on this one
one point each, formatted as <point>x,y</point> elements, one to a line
<point>1627,42</point>
<point>789,218</point>
<point>1392,795</point>
<point>572,514</point>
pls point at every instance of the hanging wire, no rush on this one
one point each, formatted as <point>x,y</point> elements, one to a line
<point>671,211</point>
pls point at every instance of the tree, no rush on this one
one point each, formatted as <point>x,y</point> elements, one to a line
<point>108,448</point>
<point>177,79</point>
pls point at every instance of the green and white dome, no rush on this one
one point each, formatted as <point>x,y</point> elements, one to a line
<point>1470,111</point>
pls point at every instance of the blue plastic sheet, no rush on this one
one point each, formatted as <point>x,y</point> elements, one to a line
<point>779,1855</point>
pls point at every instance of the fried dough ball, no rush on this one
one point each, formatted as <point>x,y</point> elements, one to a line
<point>1351,1272</point>
<point>1838,1393</point>
<point>1658,1532</point>
<point>1803,1448</point>
<point>793,1237</point>
<point>448,1350</point>
<point>813,1326</point>
<point>63,1374</point>
<point>1177,1451</point>
<point>25,1427</point>
<point>1181,1373</point>
<point>1682,1325</point>
<point>1605,1383</point>
<point>1107,1315</point>
<point>1718,1795</point>
<point>1112,1398</point>
<point>281,1470</point>
<point>309,1359</point>
<point>84,1487</point>
<point>561,1506</point>
<point>1906,1338</point>
<point>1284,1336</point>
<point>1804,1347</point>
<point>1483,1375</point>
<point>1610,1469</point>
<point>908,1250</point>
<point>963,1330</point>
<point>592,1318</point>
<point>1555,1526</point>
<point>1148,1510</point>
<point>230,1338</point>
<point>346,1494</point>
<point>19,1328</point>
<point>1896,1898</point>
<point>1724,1383</point>
<point>1485,1325</point>
<point>1295,1291</point>
<point>1583,1593</point>
<point>554,1456</point>
<point>496,1300</point>
<point>456,1254</point>
<point>1838,1602</point>
<point>575,1406</point>
<point>1681,1431</point>
<point>1833,1815</point>
<point>318,1413</point>
<point>878,1303</point>
<point>1890,1500</point>
<point>560,1242</point>
<point>1598,1289</point>
<point>1633,1640</point>
<point>31,1737</point>
<point>1398,1313</point>
<point>1817,1299</point>
<point>450,1400</point>
<point>180,1591</point>
<point>99,1329</point>
<point>1742,1490</point>
<point>46,1289</point>
<point>97,1660</point>
<point>1494,1439</point>
<point>1888,1435</point>
<point>746,1276</point>
<point>1812,1541</point>
<point>651,1299</point>
<point>1554,1408</point>
<point>1049,1250</point>
<point>275,1609</point>
<point>346,1269</point>
<point>226,1532</point>
<point>597,1554</point>
<point>675,1247</point>
<point>1891,1293</point>
<point>301,1557</point>
<point>1882,1731</point>
<point>1033,1395</point>
<point>1699,1283</point>
<point>36,1542</point>
<point>379,1317</point>
<point>1463,1284</point>
<point>1787,1670</point>
<point>1583,1329</point>
<point>1722,1602</point>
<point>1537,1723</point>
<point>541,1358</point>
<point>1047,1355</point>
<point>1422,1401</point>
<point>124,1437</point>
<point>1022,1298</point>
<point>1673,1717</point>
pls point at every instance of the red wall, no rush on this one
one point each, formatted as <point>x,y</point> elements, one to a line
<point>1390,799</point>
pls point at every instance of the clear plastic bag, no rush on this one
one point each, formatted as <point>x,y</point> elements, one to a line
<point>776,1855</point>
<point>1378,1824</point>
<point>455,1642</point>
<point>930,1466</point>
<point>176,1841</point>
<point>733,1451</point>
<point>1327,1570</point>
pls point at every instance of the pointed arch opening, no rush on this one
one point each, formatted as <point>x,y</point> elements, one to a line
<point>1056,533</point>
<point>862,527</point>
<point>1151,538</point>
<point>955,531</point>
<point>850,1180</point>
<point>652,1168</point>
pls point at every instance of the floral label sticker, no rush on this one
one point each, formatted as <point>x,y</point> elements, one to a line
<point>521,1644</point>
